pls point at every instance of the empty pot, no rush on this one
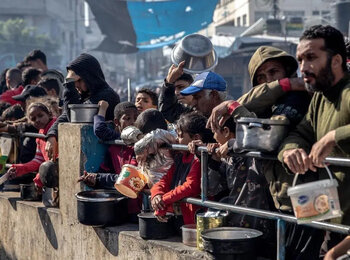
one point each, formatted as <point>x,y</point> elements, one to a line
<point>231,242</point>
<point>82,113</point>
<point>29,192</point>
<point>101,208</point>
<point>151,228</point>
<point>198,53</point>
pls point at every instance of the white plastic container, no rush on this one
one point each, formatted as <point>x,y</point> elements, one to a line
<point>189,235</point>
<point>316,200</point>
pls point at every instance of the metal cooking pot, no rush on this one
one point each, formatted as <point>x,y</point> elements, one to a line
<point>48,172</point>
<point>263,135</point>
<point>82,113</point>
<point>198,53</point>
<point>151,228</point>
<point>29,192</point>
<point>101,208</point>
<point>231,242</point>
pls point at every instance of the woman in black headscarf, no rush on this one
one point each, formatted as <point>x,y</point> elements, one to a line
<point>85,83</point>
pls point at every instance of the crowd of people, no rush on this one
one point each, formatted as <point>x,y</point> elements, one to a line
<point>194,111</point>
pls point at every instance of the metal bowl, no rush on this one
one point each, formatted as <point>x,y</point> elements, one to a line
<point>198,53</point>
<point>82,113</point>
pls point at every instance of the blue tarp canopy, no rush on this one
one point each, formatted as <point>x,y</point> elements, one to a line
<point>149,24</point>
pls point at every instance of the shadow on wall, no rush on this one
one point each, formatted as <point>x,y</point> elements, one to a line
<point>108,237</point>
<point>48,227</point>
<point>4,255</point>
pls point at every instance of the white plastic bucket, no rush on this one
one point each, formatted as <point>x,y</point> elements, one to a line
<point>316,200</point>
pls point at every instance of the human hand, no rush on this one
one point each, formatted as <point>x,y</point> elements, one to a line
<point>162,218</point>
<point>88,178</point>
<point>321,149</point>
<point>219,115</point>
<point>223,150</point>
<point>175,72</point>
<point>157,203</point>
<point>12,173</point>
<point>51,148</point>
<point>193,145</point>
<point>329,255</point>
<point>72,76</point>
<point>103,105</point>
<point>297,161</point>
<point>297,84</point>
<point>212,151</point>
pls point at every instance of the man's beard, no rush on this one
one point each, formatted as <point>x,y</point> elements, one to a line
<point>323,80</point>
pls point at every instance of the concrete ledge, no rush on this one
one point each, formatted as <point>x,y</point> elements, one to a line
<point>31,231</point>
<point>28,230</point>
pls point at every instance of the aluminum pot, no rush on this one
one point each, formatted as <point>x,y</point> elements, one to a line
<point>265,135</point>
<point>198,53</point>
<point>231,242</point>
<point>82,113</point>
<point>29,192</point>
<point>101,208</point>
<point>151,228</point>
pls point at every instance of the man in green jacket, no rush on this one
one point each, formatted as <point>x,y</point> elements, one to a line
<point>325,130</point>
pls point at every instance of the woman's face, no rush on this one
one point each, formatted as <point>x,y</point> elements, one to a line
<point>38,117</point>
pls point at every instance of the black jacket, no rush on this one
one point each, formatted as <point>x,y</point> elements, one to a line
<point>168,105</point>
<point>89,69</point>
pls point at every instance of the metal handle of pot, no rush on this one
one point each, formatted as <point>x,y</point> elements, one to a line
<point>253,124</point>
<point>327,169</point>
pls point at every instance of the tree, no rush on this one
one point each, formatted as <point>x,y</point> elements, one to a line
<point>17,39</point>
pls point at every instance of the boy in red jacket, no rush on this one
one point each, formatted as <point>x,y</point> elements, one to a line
<point>183,178</point>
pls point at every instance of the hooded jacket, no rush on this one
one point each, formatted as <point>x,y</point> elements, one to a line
<point>265,53</point>
<point>89,69</point>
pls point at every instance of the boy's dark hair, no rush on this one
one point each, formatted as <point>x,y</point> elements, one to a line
<point>13,112</point>
<point>50,83</point>
<point>153,95</point>
<point>333,40</point>
<point>230,124</point>
<point>35,55</point>
<point>186,77</point>
<point>22,65</point>
<point>149,120</point>
<point>30,74</point>
<point>195,123</point>
<point>121,109</point>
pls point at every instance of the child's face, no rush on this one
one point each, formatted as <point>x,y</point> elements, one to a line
<point>221,136</point>
<point>38,117</point>
<point>127,119</point>
<point>183,137</point>
<point>143,102</point>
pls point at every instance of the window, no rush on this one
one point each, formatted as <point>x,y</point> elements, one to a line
<point>239,21</point>
<point>315,12</point>
<point>245,20</point>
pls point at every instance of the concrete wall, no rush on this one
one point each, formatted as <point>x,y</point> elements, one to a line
<point>28,230</point>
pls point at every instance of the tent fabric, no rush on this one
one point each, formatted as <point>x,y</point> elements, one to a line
<point>149,25</point>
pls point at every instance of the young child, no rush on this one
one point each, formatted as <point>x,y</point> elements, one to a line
<point>145,99</point>
<point>246,183</point>
<point>40,116</point>
<point>183,178</point>
<point>125,114</point>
